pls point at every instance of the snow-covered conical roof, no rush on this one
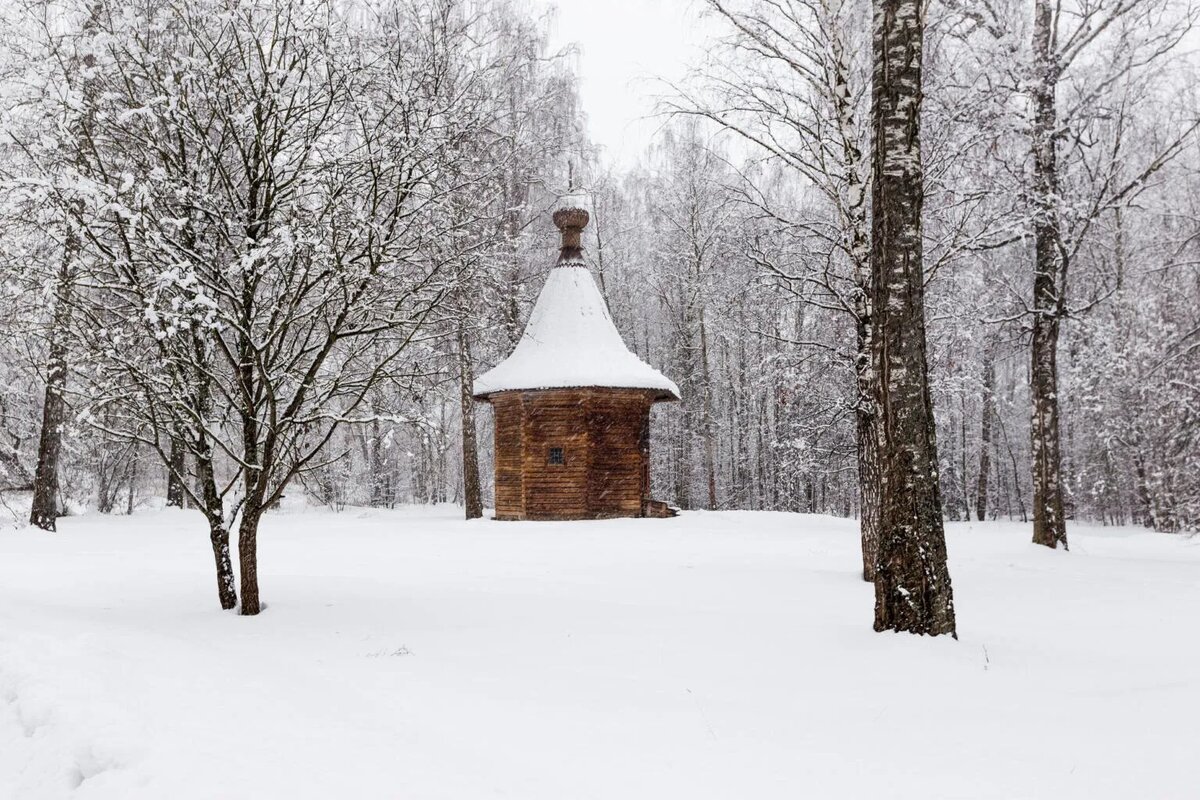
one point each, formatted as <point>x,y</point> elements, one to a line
<point>570,339</point>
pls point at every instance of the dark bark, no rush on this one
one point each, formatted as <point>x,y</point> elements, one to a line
<point>683,460</point>
<point>218,532</point>
<point>912,582</point>
<point>132,482</point>
<point>1142,484</point>
<point>175,474</point>
<point>985,436</point>
<point>472,489</point>
<point>256,458</point>
<point>381,483</point>
<point>248,560</point>
<point>218,535</point>
<point>707,421</point>
<point>1016,475</point>
<point>868,448</point>
<point>962,453</point>
<point>44,510</point>
<point>1049,523</point>
<point>252,510</point>
<point>106,469</point>
<point>1050,267</point>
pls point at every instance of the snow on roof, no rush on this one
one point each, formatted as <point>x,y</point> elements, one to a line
<point>575,199</point>
<point>571,341</point>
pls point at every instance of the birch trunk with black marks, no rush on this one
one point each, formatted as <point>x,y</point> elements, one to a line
<point>211,502</point>
<point>44,510</point>
<point>1049,278</point>
<point>472,488</point>
<point>912,581</point>
<point>867,439</point>
<point>858,246</point>
<point>218,530</point>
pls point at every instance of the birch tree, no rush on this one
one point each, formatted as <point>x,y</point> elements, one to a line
<point>912,582</point>
<point>264,181</point>
<point>1084,66</point>
<point>786,81</point>
<point>57,118</point>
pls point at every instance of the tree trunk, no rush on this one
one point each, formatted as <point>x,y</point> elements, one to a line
<point>218,535</point>
<point>1016,475</point>
<point>1142,484</point>
<point>132,476</point>
<point>472,492</point>
<point>912,582</point>
<point>868,449</point>
<point>1049,524</point>
<point>381,488</point>
<point>175,473</point>
<point>985,436</point>
<point>44,510</point>
<point>709,428</point>
<point>253,466</point>
<point>218,531</point>
<point>858,246</point>
<point>962,453</point>
<point>683,471</point>
<point>105,493</point>
<point>248,558</point>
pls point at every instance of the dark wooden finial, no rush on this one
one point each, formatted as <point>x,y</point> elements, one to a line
<point>571,220</point>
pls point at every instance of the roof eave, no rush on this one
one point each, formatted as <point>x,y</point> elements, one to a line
<point>661,395</point>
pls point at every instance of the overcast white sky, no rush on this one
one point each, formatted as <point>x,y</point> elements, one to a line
<point>623,45</point>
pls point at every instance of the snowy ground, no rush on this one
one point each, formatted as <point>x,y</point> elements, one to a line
<point>717,655</point>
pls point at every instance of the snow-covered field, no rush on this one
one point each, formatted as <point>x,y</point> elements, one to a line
<point>412,655</point>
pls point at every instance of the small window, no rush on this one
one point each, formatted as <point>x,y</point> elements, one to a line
<point>556,456</point>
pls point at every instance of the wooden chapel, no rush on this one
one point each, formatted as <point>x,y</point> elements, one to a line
<point>572,403</point>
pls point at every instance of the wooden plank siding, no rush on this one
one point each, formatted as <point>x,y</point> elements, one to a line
<point>615,487</point>
<point>510,485</point>
<point>555,491</point>
<point>604,438</point>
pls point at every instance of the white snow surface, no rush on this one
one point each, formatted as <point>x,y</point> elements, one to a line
<point>571,341</point>
<point>576,199</point>
<point>410,654</point>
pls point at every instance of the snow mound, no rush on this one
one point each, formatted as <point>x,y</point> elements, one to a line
<point>571,341</point>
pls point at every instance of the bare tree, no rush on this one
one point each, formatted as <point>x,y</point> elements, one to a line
<point>787,83</point>
<point>912,582</point>
<point>72,59</point>
<point>263,233</point>
<point>1087,65</point>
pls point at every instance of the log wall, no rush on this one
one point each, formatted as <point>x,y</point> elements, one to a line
<point>510,487</point>
<point>604,438</point>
